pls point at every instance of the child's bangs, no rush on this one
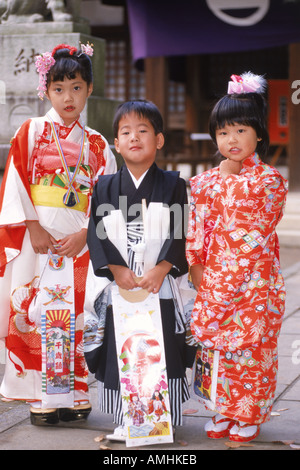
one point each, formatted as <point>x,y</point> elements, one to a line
<point>64,68</point>
<point>232,112</point>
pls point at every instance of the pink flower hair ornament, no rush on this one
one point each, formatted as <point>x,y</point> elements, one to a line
<point>45,61</point>
<point>43,64</point>
<point>87,49</point>
<point>246,83</point>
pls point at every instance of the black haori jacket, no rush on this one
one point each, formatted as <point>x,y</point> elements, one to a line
<point>158,186</point>
<point>116,200</point>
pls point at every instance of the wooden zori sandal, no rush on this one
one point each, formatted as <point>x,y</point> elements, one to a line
<point>218,427</point>
<point>40,416</point>
<point>81,411</point>
<point>243,432</point>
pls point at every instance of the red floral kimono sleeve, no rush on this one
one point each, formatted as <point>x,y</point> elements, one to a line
<point>15,198</point>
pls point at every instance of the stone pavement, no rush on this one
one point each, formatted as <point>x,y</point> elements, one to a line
<point>282,432</point>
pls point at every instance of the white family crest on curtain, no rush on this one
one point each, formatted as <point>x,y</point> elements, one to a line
<point>223,8</point>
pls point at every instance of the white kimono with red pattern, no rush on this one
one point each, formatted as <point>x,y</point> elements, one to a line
<point>34,164</point>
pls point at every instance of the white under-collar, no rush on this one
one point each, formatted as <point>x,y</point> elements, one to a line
<point>137,182</point>
<point>56,118</point>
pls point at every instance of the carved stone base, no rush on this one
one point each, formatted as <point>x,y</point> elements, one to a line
<point>50,27</point>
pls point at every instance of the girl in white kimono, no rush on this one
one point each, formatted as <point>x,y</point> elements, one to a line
<point>51,169</point>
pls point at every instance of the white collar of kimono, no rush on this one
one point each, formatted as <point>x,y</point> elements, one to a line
<point>137,182</point>
<point>56,118</point>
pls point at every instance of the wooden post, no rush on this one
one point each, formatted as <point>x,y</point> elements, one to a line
<point>156,74</point>
<point>194,95</point>
<point>294,118</point>
<point>196,107</point>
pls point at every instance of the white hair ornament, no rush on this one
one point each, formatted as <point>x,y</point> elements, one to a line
<point>246,83</point>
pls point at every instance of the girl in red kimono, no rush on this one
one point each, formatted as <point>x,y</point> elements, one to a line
<point>51,169</point>
<point>233,253</point>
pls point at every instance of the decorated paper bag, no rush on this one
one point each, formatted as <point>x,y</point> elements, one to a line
<point>205,376</point>
<point>56,299</point>
<point>142,367</point>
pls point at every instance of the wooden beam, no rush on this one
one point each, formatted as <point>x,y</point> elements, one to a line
<point>294,117</point>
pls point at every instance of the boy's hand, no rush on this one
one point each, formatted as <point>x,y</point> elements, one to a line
<point>124,277</point>
<point>153,279</point>
<point>41,240</point>
<point>73,244</point>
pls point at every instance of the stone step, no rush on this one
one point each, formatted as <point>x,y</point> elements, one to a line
<point>289,222</point>
<point>293,203</point>
<point>289,238</point>
<point>288,229</point>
